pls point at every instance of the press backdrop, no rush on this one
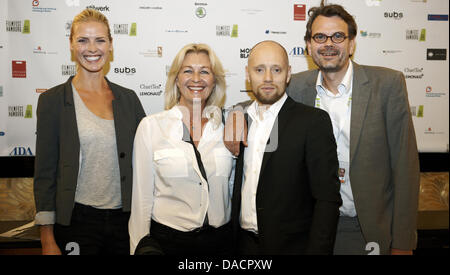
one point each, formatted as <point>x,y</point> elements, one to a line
<point>407,35</point>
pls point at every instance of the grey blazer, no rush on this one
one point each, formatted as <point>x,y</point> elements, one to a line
<point>384,163</point>
<point>58,147</point>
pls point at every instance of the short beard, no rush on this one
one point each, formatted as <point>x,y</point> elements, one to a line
<point>268,101</point>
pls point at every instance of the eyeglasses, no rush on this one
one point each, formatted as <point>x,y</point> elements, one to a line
<point>337,37</point>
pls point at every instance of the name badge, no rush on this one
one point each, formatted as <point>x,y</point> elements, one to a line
<point>343,171</point>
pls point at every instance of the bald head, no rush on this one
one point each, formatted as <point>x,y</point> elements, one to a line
<point>269,46</point>
<point>268,71</point>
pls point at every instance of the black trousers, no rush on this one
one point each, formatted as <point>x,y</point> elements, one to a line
<point>94,231</point>
<point>248,243</point>
<point>208,241</point>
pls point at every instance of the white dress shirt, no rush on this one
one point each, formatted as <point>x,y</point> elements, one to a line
<point>339,108</point>
<point>168,186</point>
<point>258,135</point>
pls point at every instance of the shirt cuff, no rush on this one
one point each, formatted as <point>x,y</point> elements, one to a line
<point>45,218</point>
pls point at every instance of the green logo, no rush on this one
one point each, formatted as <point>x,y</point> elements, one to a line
<point>200,12</point>
<point>423,35</point>
<point>133,29</point>
<point>420,111</point>
<point>234,32</point>
<point>26,26</point>
<point>29,111</point>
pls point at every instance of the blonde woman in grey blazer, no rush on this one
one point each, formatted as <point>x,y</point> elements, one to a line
<point>85,133</point>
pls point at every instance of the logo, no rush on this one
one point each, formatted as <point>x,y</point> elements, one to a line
<point>394,15</point>
<point>275,32</point>
<point>21,151</point>
<point>151,89</point>
<point>417,111</point>
<point>36,8</point>
<point>437,17</point>
<point>244,52</point>
<point>67,27</point>
<point>39,50</point>
<point>429,92</point>
<point>297,52</point>
<point>123,29</point>
<point>104,8</point>
<point>153,53</point>
<point>229,31</point>
<point>200,12</point>
<point>373,3</point>
<point>2,134</point>
<point>68,70</point>
<point>18,111</point>
<point>416,35</point>
<point>430,131</point>
<point>413,73</point>
<point>125,70</point>
<point>19,69</point>
<point>370,34</point>
<point>177,31</point>
<point>149,8</point>
<point>251,11</point>
<point>436,54</point>
<point>391,51</point>
<point>17,26</point>
<point>299,12</point>
<point>73,3</point>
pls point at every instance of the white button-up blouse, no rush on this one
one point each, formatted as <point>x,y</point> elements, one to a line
<point>168,186</point>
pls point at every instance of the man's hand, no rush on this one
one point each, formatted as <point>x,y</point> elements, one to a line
<point>235,131</point>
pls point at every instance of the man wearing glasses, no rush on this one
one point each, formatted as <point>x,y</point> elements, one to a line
<point>376,144</point>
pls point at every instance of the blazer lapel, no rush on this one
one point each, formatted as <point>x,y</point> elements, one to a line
<point>309,92</point>
<point>360,100</point>
<point>70,128</point>
<point>277,130</point>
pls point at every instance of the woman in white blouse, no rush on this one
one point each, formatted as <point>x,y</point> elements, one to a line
<point>182,178</point>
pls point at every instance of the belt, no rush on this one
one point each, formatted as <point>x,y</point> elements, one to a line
<point>92,211</point>
<point>164,228</point>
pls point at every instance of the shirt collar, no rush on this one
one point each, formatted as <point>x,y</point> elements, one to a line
<point>273,110</point>
<point>344,87</point>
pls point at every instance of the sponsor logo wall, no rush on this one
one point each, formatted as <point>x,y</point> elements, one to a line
<point>410,36</point>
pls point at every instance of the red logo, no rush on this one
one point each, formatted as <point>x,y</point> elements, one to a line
<point>19,69</point>
<point>428,90</point>
<point>35,3</point>
<point>299,12</point>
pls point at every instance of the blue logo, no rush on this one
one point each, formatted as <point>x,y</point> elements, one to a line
<point>21,151</point>
<point>2,134</point>
<point>437,17</point>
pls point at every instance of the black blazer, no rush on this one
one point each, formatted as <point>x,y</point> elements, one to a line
<point>298,197</point>
<point>58,147</point>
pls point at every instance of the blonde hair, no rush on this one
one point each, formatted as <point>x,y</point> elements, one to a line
<point>216,100</point>
<point>90,15</point>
